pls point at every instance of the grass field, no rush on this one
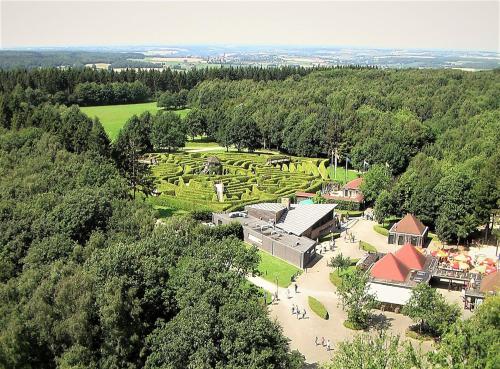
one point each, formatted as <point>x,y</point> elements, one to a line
<point>271,268</point>
<point>113,117</point>
<point>351,174</point>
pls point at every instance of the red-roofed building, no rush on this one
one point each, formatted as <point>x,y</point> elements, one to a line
<point>354,185</point>
<point>408,230</point>
<point>411,257</point>
<point>389,268</point>
<point>393,276</point>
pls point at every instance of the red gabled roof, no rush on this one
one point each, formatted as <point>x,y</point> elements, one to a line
<point>411,257</point>
<point>354,184</point>
<point>490,283</point>
<point>305,194</point>
<point>389,268</point>
<point>410,224</point>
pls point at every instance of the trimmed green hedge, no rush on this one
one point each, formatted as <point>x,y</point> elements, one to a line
<point>381,230</point>
<point>347,205</point>
<point>318,308</point>
<point>367,247</point>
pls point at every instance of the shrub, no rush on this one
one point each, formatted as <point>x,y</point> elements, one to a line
<point>381,230</point>
<point>318,308</point>
<point>367,247</point>
<point>201,215</point>
<point>353,326</point>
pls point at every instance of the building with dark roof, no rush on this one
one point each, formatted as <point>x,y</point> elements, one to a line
<point>287,231</point>
<point>408,230</point>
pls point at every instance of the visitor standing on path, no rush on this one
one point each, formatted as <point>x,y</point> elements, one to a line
<point>316,340</point>
<point>323,341</point>
<point>296,287</point>
<point>328,345</point>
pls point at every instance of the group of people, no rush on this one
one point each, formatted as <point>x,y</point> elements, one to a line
<point>349,236</point>
<point>323,343</point>
<point>301,314</point>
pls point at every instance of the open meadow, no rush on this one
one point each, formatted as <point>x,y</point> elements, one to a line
<point>113,117</point>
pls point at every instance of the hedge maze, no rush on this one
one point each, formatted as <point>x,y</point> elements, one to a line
<point>247,179</point>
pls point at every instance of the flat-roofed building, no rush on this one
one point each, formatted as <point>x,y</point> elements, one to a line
<point>284,230</point>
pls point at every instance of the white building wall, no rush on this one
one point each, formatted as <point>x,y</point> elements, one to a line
<point>389,293</point>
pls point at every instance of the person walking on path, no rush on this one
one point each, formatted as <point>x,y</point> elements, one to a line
<point>328,345</point>
<point>304,314</point>
<point>323,341</point>
<point>316,340</point>
<point>293,309</point>
<point>296,287</point>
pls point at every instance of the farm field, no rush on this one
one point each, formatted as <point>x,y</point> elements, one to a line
<point>113,117</point>
<point>184,183</point>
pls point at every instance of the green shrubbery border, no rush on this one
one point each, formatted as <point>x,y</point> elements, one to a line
<point>318,308</point>
<point>380,230</point>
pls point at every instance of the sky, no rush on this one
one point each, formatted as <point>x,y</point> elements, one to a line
<point>458,25</point>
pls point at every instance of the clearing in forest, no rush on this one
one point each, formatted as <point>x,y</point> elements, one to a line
<point>113,117</point>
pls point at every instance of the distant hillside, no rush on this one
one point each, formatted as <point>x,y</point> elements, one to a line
<point>35,59</point>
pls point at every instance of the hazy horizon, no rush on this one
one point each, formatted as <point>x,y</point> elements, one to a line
<point>412,25</point>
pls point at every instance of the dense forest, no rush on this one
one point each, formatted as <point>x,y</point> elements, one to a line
<point>88,281</point>
<point>90,86</point>
<point>12,59</point>
<point>436,132</point>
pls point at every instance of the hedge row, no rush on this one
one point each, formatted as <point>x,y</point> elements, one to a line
<point>247,179</point>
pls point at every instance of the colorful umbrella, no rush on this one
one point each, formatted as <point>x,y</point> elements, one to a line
<point>441,254</point>
<point>490,269</point>
<point>463,266</point>
<point>489,261</point>
<point>461,257</point>
<point>479,269</point>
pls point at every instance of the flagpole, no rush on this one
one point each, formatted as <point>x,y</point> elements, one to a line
<point>335,169</point>
<point>346,161</point>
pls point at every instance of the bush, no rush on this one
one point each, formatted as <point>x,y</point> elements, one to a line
<point>347,205</point>
<point>412,333</point>
<point>351,213</point>
<point>381,230</point>
<point>353,326</point>
<point>367,247</point>
<point>201,215</point>
<point>336,277</point>
<point>226,230</point>
<point>318,308</point>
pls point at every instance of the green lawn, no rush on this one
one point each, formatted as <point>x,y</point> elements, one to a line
<point>318,307</point>
<point>167,211</point>
<point>271,268</point>
<point>113,117</point>
<point>336,277</point>
<point>367,247</point>
<point>381,230</point>
<point>351,174</point>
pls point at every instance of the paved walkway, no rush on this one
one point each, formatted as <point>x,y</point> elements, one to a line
<point>315,282</point>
